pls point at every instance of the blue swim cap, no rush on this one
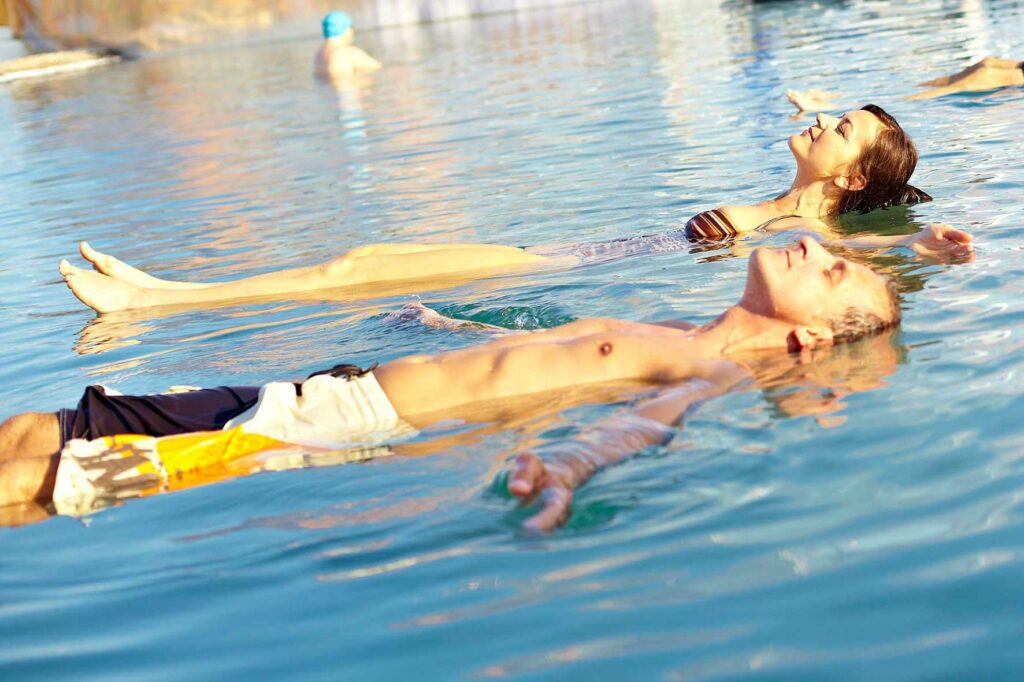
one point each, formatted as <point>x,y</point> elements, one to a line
<point>336,23</point>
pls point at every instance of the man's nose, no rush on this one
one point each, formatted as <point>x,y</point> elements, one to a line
<point>812,248</point>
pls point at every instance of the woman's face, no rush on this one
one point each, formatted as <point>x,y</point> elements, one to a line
<point>830,148</point>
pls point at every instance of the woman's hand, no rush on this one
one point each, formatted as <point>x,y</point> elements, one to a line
<point>942,242</point>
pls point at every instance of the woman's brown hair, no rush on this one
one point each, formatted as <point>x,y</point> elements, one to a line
<point>886,166</point>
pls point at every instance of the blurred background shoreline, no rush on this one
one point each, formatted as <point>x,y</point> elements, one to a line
<point>139,26</point>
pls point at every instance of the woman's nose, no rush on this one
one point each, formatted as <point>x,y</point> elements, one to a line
<point>824,120</point>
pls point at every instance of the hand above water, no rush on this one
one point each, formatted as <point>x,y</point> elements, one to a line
<point>550,484</point>
<point>942,242</point>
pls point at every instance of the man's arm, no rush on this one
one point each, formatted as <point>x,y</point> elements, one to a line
<point>429,317</point>
<point>364,62</point>
<point>552,472</point>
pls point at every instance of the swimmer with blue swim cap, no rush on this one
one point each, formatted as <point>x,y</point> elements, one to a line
<point>338,56</point>
<point>336,24</point>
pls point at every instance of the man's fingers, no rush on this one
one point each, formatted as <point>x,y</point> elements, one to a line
<point>526,474</point>
<point>555,501</point>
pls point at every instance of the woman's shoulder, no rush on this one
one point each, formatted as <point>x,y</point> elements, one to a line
<point>724,221</point>
<point>727,221</point>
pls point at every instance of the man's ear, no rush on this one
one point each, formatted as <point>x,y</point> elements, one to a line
<point>809,338</point>
<point>805,340</point>
<point>855,182</point>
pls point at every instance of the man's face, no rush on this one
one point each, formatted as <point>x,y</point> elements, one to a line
<point>807,286</point>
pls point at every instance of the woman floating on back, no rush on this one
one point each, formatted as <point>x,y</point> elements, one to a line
<point>859,162</point>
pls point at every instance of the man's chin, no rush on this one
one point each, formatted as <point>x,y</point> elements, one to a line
<point>757,273</point>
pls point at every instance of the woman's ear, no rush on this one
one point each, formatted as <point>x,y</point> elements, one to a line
<point>854,183</point>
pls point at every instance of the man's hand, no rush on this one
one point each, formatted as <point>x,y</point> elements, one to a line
<point>942,242</point>
<point>531,479</point>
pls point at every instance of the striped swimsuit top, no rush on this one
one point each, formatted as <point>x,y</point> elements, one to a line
<point>713,225</point>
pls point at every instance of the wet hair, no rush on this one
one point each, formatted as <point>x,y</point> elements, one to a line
<point>886,166</point>
<point>855,324</point>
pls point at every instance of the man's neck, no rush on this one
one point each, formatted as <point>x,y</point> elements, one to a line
<point>739,330</point>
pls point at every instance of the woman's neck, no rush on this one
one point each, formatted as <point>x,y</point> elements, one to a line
<point>804,198</point>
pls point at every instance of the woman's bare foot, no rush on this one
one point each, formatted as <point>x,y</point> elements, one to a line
<point>101,293</point>
<point>113,267</point>
<point>118,269</point>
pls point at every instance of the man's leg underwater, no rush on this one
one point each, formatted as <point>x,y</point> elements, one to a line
<point>29,453</point>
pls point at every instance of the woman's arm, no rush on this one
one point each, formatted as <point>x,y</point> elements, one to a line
<point>937,240</point>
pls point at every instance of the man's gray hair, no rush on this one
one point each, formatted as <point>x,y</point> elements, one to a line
<point>855,323</point>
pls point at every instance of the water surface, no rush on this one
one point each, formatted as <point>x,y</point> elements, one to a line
<point>871,529</point>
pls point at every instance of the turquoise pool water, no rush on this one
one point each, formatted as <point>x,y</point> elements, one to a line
<point>860,520</point>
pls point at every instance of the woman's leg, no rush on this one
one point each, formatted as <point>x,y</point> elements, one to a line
<point>375,264</point>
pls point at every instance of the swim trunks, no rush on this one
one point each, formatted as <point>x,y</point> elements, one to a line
<point>101,412</point>
<point>287,425</point>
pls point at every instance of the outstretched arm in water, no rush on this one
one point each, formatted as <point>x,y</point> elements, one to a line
<point>119,286</point>
<point>988,74</point>
<point>550,473</point>
<point>937,241</point>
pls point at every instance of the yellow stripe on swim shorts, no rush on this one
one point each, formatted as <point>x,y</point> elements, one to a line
<point>192,459</point>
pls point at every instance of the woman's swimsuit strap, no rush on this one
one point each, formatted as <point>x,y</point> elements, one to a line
<point>775,220</point>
